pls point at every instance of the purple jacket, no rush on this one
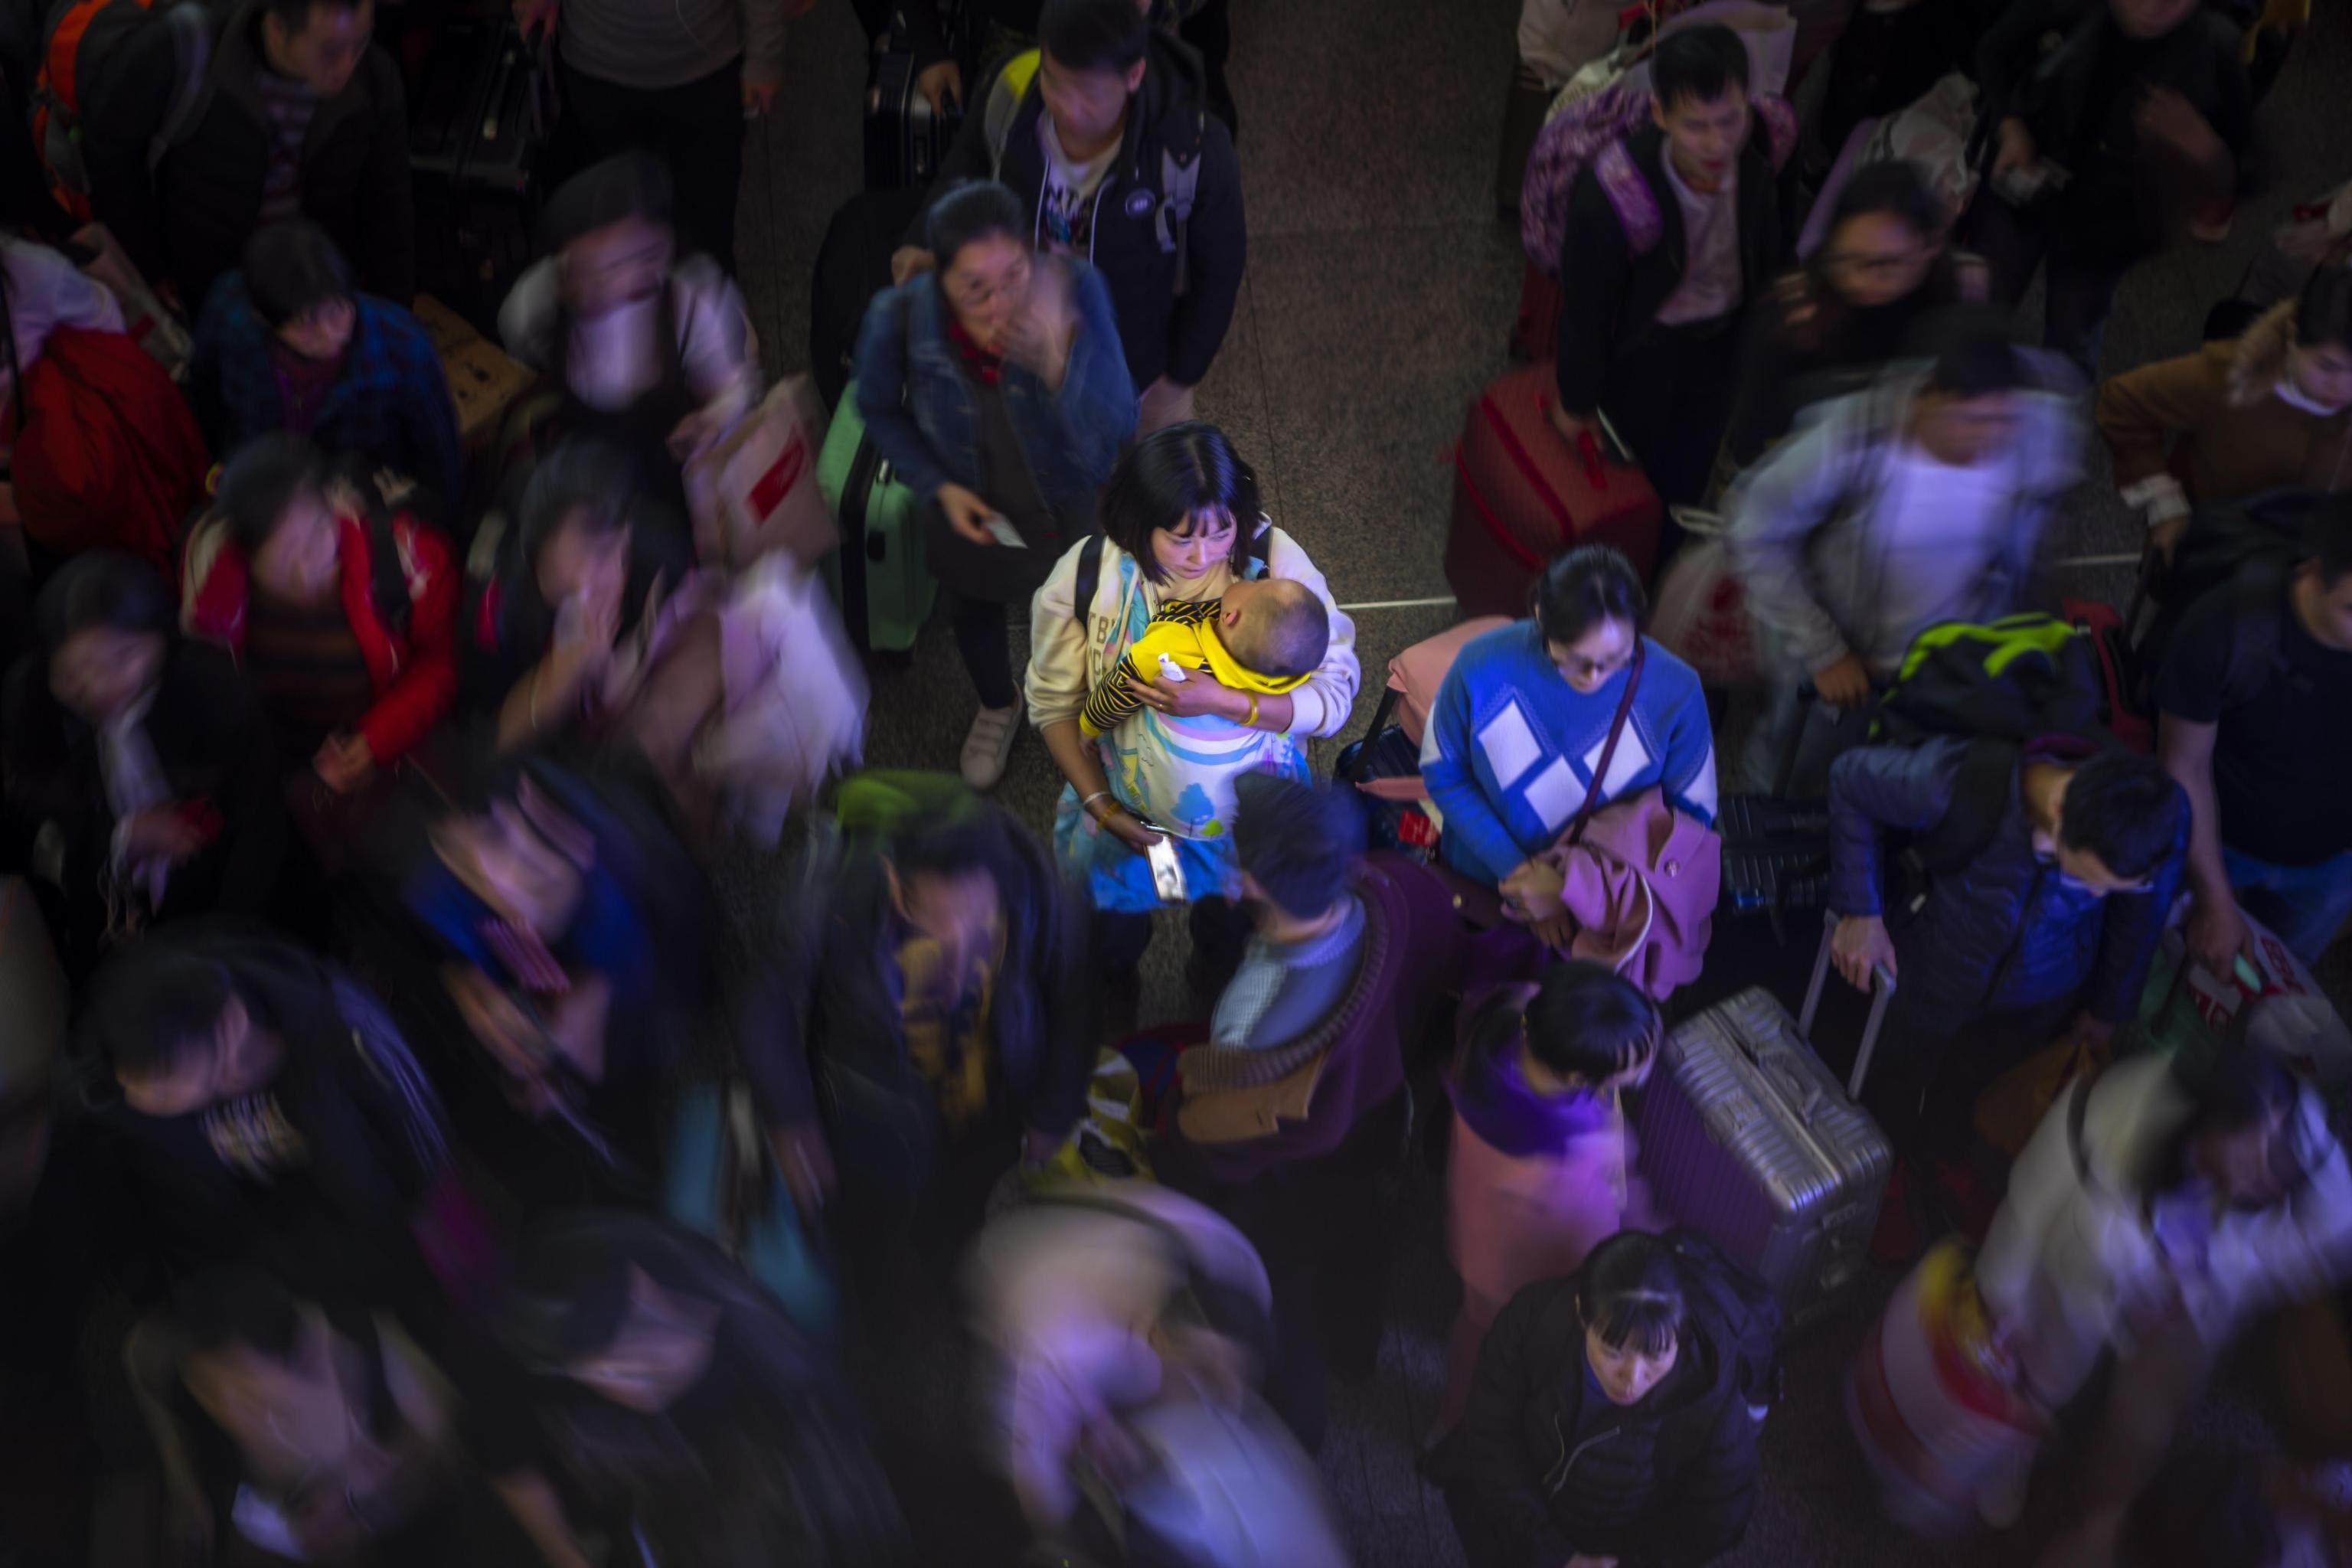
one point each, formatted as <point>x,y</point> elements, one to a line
<point>1496,1101</point>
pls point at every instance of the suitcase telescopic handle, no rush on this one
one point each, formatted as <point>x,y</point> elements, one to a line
<point>1880,993</point>
<point>1596,472</point>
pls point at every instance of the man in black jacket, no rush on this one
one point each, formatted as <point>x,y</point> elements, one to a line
<point>922,1014</point>
<point>1114,147</point>
<point>1670,233</point>
<point>300,115</point>
<point>2138,102</point>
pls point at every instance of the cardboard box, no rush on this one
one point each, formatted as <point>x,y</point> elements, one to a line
<point>484,384</point>
<point>449,331</point>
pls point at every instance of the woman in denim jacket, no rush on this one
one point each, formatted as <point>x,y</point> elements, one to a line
<point>997,388</point>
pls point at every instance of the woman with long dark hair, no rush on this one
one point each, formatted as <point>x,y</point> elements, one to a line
<point>595,587</point>
<point>1829,326</point>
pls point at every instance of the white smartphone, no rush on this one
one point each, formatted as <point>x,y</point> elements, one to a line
<point>1001,529</point>
<point>1171,670</point>
<point>1166,871</point>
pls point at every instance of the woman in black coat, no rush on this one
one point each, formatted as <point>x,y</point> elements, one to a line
<point>1605,1424</point>
<point>139,779</point>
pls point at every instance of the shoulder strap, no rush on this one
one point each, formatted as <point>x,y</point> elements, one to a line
<point>192,55</point>
<point>1980,800</point>
<point>1006,95</point>
<point>1082,594</point>
<point>1630,196</point>
<point>1608,748</point>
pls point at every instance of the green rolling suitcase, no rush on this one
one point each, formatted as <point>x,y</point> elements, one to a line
<point>877,576</point>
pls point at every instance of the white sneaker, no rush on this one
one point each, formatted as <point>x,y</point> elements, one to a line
<point>990,744</point>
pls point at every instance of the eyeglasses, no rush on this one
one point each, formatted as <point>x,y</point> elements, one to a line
<point>1577,668</point>
<point>975,297</point>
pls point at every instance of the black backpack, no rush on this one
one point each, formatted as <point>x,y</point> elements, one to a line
<point>1738,1309</point>
<point>1999,684</point>
<point>2248,547</point>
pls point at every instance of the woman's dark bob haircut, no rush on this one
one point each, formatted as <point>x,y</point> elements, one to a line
<point>1173,478</point>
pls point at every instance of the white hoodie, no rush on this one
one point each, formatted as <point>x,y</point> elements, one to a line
<point>2066,1259</point>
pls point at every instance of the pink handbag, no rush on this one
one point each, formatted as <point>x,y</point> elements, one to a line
<point>1415,677</point>
<point>1641,885</point>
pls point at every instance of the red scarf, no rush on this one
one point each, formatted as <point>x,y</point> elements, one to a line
<point>988,369</point>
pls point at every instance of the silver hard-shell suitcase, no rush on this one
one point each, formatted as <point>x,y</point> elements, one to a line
<point>1744,1135</point>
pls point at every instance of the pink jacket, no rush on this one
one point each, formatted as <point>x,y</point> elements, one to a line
<point>1642,889</point>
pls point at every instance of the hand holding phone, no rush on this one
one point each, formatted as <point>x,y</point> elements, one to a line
<point>1166,871</point>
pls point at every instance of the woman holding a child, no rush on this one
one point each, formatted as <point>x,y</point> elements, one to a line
<point>1182,529</point>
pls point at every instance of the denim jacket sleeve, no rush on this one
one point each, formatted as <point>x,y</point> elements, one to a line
<point>882,378</point>
<point>1096,402</point>
<point>1875,790</point>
